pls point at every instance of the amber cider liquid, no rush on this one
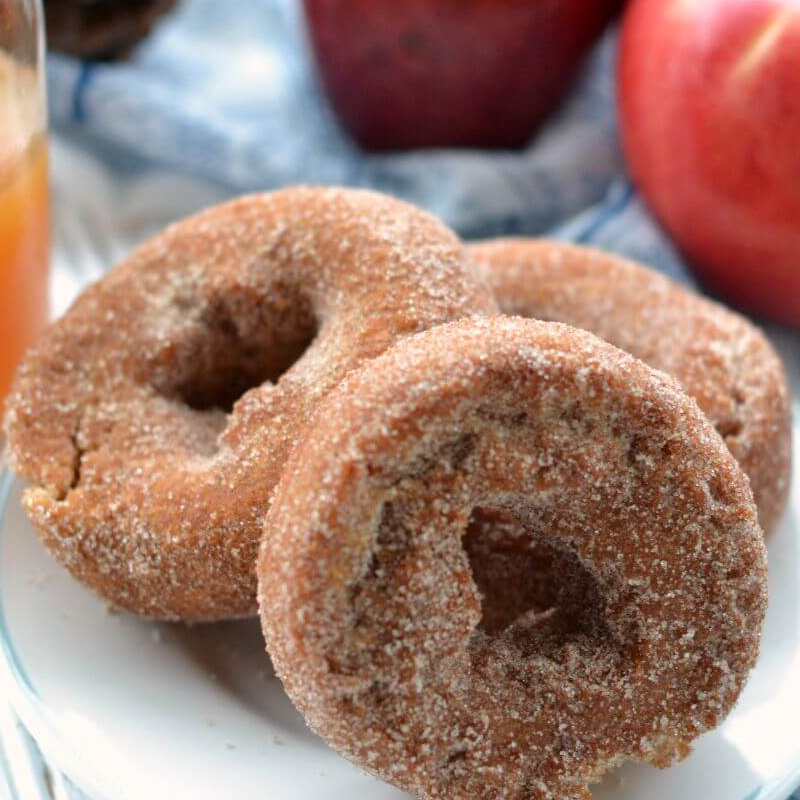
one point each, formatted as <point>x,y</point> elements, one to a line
<point>24,224</point>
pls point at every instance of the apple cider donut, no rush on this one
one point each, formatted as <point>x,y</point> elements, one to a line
<point>378,629</point>
<point>141,483</point>
<point>721,359</point>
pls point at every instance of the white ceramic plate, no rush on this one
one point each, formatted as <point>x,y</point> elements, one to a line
<point>132,710</point>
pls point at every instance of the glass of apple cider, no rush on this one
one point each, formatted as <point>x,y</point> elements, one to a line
<point>24,203</point>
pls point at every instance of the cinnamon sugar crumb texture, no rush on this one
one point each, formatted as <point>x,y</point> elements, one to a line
<point>499,556</point>
<point>403,657</point>
<point>721,359</point>
<point>144,484</point>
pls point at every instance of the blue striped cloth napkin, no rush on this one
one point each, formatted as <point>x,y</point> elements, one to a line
<point>230,95</point>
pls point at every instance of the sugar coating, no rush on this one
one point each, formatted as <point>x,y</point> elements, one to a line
<point>371,612</point>
<point>721,359</point>
<point>141,483</point>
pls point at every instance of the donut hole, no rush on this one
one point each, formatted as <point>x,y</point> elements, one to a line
<point>524,579</point>
<point>238,343</point>
<point>230,373</point>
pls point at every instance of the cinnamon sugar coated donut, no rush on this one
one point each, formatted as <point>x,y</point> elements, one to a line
<point>721,359</point>
<point>375,623</point>
<point>141,483</point>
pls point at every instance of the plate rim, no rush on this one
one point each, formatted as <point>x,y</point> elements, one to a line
<point>25,699</point>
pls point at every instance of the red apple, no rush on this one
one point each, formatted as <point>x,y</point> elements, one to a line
<point>710,114</point>
<point>464,73</point>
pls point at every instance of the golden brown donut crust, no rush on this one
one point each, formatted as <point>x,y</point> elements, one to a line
<point>721,359</point>
<point>373,618</point>
<point>141,485</point>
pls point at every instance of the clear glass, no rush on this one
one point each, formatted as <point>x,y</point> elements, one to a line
<point>24,200</point>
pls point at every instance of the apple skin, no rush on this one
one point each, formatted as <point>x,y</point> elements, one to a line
<point>461,73</point>
<point>709,97</point>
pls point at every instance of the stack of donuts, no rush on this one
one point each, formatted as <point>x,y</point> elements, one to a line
<point>501,507</point>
